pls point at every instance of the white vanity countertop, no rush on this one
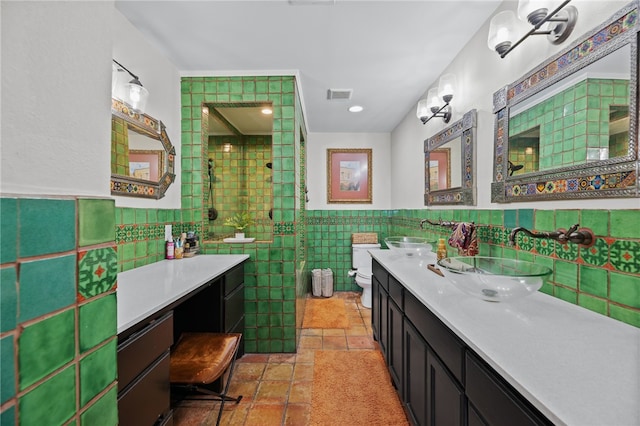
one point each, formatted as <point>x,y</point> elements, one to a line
<point>146,290</point>
<point>576,366</point>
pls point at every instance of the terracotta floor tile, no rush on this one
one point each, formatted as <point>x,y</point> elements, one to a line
<point>310,342</point>
<point>305,356</point>
<point>254,358</point>
<point>246,388</point>
<point>278,372</point>
<point>300,392</point>
<point>265,415</point>
<point>297,414</point>
<point>334,342</point>
<point>249,371</point>
<point>333,332</point>
<point>311,332</point>
<point>302,372</point>
<point>280,358</point>
<point>360,342</point>
<point>273,392</point>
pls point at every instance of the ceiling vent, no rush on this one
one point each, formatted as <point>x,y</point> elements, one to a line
<point>339,94</point>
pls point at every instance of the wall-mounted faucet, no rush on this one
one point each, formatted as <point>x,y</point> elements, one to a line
<point>583,236</point>
<point>439,223</point>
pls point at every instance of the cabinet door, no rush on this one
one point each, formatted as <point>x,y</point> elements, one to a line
<point>375,308</point>
<point>446,402</point>
<point>415,375</point>
<point>395,319</point>
<point>384,323</point>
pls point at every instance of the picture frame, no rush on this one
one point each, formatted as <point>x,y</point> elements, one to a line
<point>349,174</point>
<point>440,169</point>
<point>145,164</point>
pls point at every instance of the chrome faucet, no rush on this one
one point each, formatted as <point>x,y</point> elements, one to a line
<point>583,236</point>
<point>439,223</point>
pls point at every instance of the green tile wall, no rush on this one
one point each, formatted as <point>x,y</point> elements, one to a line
<point>273,289</point>
<point>570,124</point>
<point>42,321</point>
<point>604,278</point>
<point>119,147</point>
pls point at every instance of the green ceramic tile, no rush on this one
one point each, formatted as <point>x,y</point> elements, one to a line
<point>7,370</point>
<point>57,335</point>
<point>566,294</point>
<point>567,218</point>
<point>97,271</point>
<point>97,322</point>
<point>8,299</point>
<point>103,412</point>
<point>623,314</point>
<point>8,416</point>
<point>96,221</point>
<point>46,285</point>
<point>625,289</point>
<point>596,220</point>
<point>544,220</point>
<point>593,281</point>
<point>52,402</point>
<point>46,226</point>
<point>8,229</point>
<point>622,222</point>
<point>593,303</point>
<point>97,371</point>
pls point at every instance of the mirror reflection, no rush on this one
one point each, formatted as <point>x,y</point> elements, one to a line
<point>583,118</point>
<point>240,168</point>
<point>142,157</point>
<point>449,164</point>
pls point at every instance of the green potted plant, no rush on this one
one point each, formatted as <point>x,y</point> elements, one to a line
<point>239,221</point>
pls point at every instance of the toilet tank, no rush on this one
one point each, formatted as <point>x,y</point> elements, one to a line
<point>360,256</point>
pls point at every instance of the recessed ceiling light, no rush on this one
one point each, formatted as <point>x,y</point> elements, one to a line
<point>355,108</point>
<point>267,111</point>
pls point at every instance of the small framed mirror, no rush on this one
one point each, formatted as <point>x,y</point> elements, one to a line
<point>449,164</point>
<point>568,129</point>
<point>142,156</point>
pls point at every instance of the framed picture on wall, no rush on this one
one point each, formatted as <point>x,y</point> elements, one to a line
<point>145,164</point>
<point>349,176</point>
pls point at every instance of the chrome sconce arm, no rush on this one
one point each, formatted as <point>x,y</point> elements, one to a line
<point>583,237</point>
<point>502,26</point>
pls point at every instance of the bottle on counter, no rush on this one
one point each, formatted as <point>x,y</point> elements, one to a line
<point>170,249</point>
<point>441,252</point>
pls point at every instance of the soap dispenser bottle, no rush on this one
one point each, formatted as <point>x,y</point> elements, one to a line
<point>441,252</point>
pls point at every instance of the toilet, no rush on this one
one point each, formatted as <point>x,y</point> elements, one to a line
<point>361,262</point>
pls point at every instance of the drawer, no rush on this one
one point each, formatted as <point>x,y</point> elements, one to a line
<point>495,400</point>
<point>396,291</point>
<point>233,308</point>
<point>142,348</point>
<point>149,396</point>
<point>445,344</point>
<point>381,274</point>
<point>233,279</point>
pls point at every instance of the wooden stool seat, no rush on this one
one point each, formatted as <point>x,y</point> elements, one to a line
<point>202,357</point>
<point>199,359</point>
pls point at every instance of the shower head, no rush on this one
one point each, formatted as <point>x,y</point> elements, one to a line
<point>269,165</point>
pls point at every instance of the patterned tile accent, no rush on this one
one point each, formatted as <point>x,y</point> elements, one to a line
<point>97,272</point>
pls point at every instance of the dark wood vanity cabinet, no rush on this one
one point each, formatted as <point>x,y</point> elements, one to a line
<point>143,349</point>
<point>439,379</point>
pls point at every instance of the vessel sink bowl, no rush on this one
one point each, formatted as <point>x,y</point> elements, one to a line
<point>410,246</point>
<point>494,279</point>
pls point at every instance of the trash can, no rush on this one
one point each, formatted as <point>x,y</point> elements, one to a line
<point>327,283</point>
<point>316,282</point>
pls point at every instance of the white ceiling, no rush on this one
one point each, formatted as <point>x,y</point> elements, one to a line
<point>388,52</point>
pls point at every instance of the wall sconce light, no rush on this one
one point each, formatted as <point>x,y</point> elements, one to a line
<point>136,95</point>
<point>561,21</point>
<point>429,107</point>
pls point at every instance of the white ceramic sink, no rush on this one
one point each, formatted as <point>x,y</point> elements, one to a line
<point>494,279</point>
<point>410,246</point>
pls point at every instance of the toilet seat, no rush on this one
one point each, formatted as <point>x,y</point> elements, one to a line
<point>364,272</point>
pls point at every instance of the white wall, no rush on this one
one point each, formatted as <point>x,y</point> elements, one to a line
<point>56,84</point>
<point>317,145</point>
<point>162,80</point>
<point>480,73</point>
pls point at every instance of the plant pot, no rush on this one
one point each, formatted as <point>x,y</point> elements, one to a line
<point>240,235</point>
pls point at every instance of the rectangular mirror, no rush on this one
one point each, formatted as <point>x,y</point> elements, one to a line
<point>568,129</point>
<point>449,164</point>
<point>142,157</point>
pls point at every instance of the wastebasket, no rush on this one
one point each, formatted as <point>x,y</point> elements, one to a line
<point>327,283</point>
<point>316,282</point>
